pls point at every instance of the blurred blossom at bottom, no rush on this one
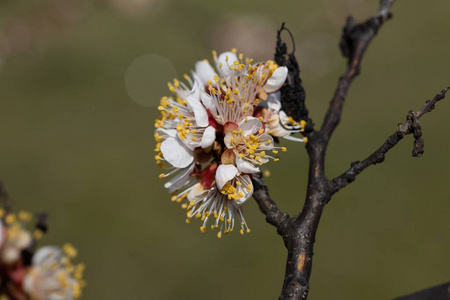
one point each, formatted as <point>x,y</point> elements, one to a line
<point>31,272</point>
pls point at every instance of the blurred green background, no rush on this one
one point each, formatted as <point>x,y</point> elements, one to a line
<point>76,144</point>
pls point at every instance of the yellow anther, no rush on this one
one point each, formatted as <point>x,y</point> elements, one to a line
<point>37,234</point>
<point>219,234</point>
<point>262,153</point>
<point>246,119</point>
<point>283,149</point>
<point>188,221</point>
<point>70,250</point>
<point>25,216</point>
<point>238,183</point>
<point>203,229</point>
<point>161,165</point>
<point>241,231</point>
<point>261,119</point>
<point>194,138</point>
<point>241,56</point>
<point>10,218</point>
<point>269,141</point>
<point>275,151</point>
<point>276,159</point>
<point>305,139</point>
<point>184,205</point>
<point>186,77</point>
<point>161,175</point>
<point>226,58</point>
<point>176,83</point>
<point>248,230</point>
<point>266,173</point>
<point>214,54</point>
<point>234,50</point>
<point>241,195</point>
<point>261,131</point>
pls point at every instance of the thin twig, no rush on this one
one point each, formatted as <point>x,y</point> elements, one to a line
<point>408,127</point>
<point>354,42</point>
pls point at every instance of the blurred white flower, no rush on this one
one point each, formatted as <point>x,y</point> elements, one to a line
<point>14,237</point>
<point>52,276</point>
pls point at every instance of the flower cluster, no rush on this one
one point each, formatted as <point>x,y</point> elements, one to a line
<point>43,274</point>
<point>213,135</point>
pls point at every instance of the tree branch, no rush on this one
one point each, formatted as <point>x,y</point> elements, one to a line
<point>299,231</point>
<point>440,292</point>
<point>411,125</point>
<point>354,42</point>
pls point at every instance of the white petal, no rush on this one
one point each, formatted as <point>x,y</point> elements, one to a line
<point>246,181</point>
<point>277,79</point>
<point>47,254</point>
<point>283,117</point>
<point>176,153</point>
<point>226,59</point>
<point>166,133</point>
<point>209,102</point>
<point>224,174</point>
<point>10,254</point>
<point>263,142</point>
<point>209,136</point>
<point>197,192</point>
<point>201,115</point>
<point>227,140</point>
<point>181,179</point>
<point>245,166</point>
<point>204,72</point>
<point>273,101</point>
<point>252,125</point>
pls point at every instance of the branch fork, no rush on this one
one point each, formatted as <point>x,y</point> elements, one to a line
<point>299,231</point>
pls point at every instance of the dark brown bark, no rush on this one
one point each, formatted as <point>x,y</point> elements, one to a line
<point>440,292</point>
<point>299,231</point>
